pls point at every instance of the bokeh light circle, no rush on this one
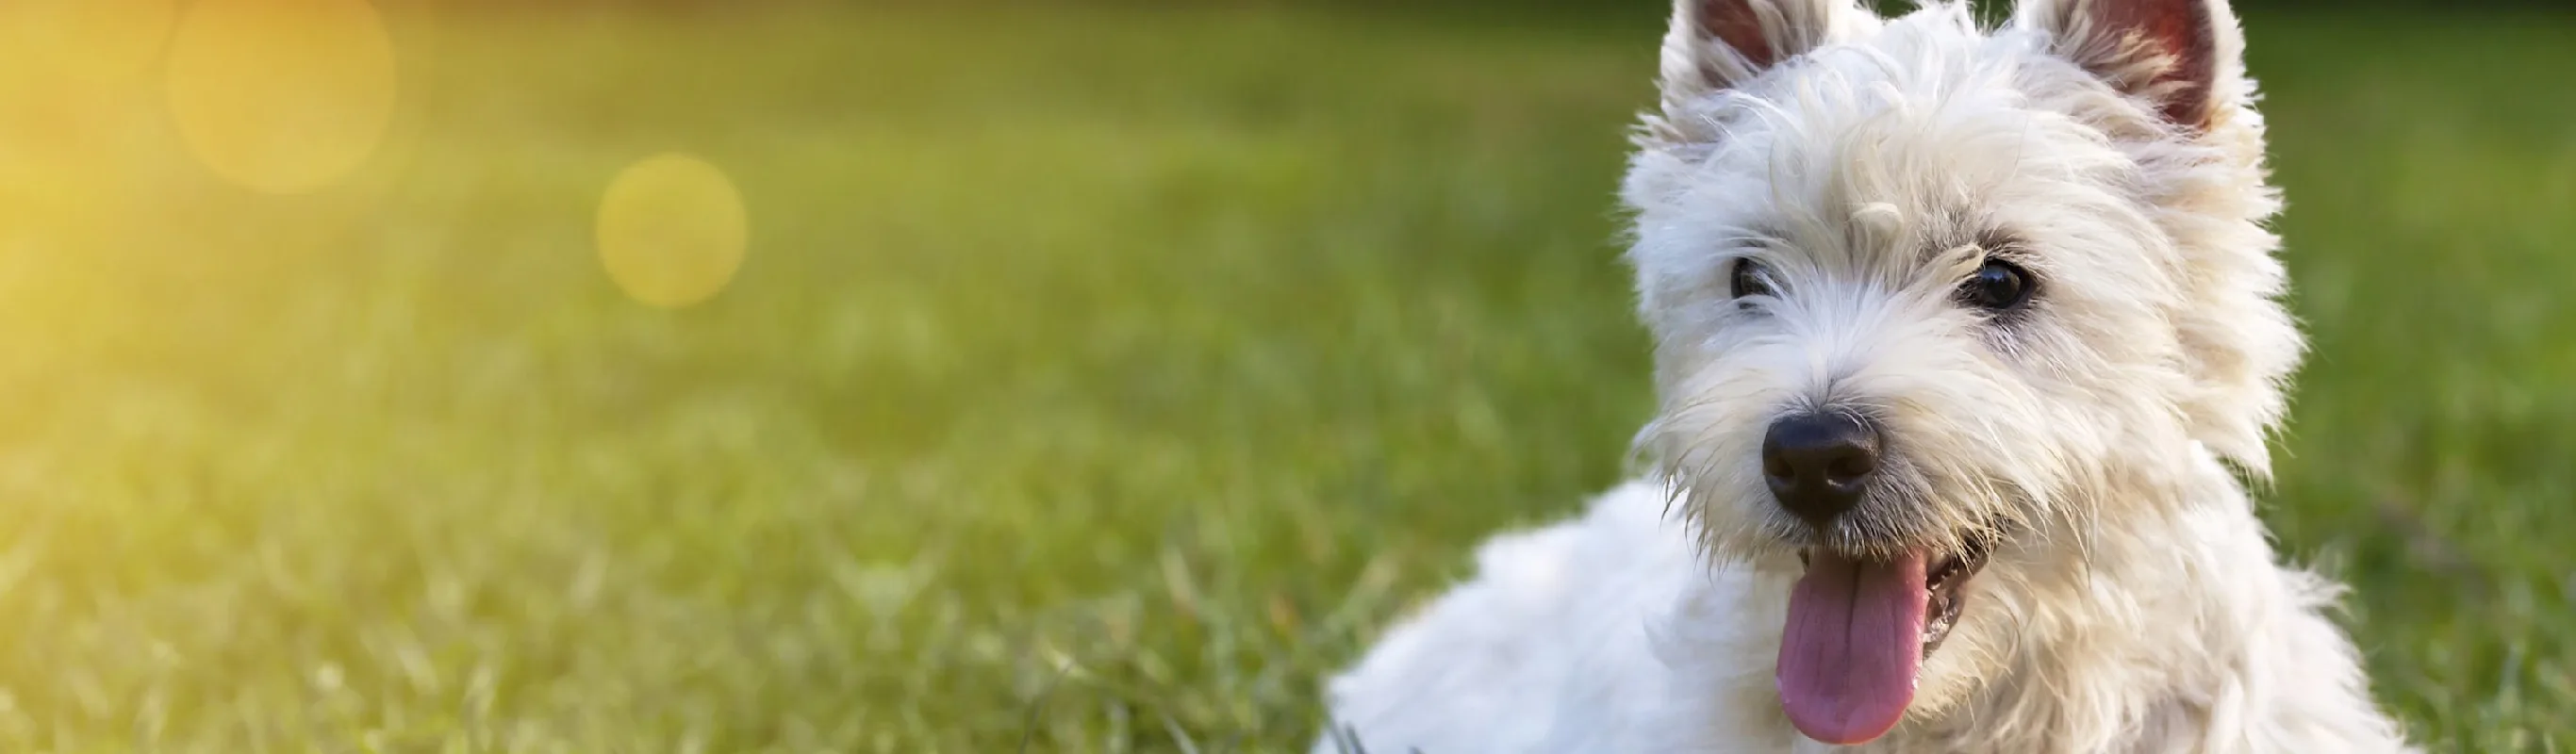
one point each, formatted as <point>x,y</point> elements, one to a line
<point>282,96</point>
<point>672,230</point>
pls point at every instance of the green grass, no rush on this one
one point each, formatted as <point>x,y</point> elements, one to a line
<point>1097,380</point>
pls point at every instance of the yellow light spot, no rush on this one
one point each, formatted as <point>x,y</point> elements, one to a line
<point>283,96</point>
<point>672,230</point>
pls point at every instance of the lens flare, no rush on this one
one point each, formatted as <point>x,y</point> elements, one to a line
<point>672,230</point>
<point>282,96</point>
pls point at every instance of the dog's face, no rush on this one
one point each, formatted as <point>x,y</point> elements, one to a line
<point>1928,299</point>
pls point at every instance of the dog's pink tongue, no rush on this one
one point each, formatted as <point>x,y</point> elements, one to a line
<point>1853,643</point>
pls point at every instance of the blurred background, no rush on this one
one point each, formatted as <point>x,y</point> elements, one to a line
<point>421,376</point>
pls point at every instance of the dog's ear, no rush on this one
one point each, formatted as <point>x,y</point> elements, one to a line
<point>2177,54</point>
<point>1719,44</point>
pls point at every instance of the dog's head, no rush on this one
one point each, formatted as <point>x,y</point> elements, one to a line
<point>1935,306</point>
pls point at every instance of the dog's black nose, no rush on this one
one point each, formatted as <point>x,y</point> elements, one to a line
<point>1818,464</point>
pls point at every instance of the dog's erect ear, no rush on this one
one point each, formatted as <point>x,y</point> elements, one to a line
<point>2174,53</point>
<point>1719,44</point>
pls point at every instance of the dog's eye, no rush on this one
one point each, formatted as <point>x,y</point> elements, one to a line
<point>1750,279</point>
<point>1998,286</point>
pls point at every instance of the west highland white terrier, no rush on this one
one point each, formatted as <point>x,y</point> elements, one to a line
<point>1963,337</point>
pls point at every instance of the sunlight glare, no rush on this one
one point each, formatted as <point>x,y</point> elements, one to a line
<point>88,40</point>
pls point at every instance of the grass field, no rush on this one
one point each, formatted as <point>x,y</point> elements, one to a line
<point>1095,380</point>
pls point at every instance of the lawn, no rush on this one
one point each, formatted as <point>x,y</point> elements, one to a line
<point>1095,380</point>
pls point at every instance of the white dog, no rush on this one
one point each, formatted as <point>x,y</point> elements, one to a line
<point>1963,338</point>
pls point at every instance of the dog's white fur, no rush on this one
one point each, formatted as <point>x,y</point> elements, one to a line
<point>2133,604</point>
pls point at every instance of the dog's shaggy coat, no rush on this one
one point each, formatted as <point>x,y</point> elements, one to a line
<point>1815,205</point>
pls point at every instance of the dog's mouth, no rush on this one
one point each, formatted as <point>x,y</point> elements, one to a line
<point>1858,632</point>
<point>1943,592</point>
